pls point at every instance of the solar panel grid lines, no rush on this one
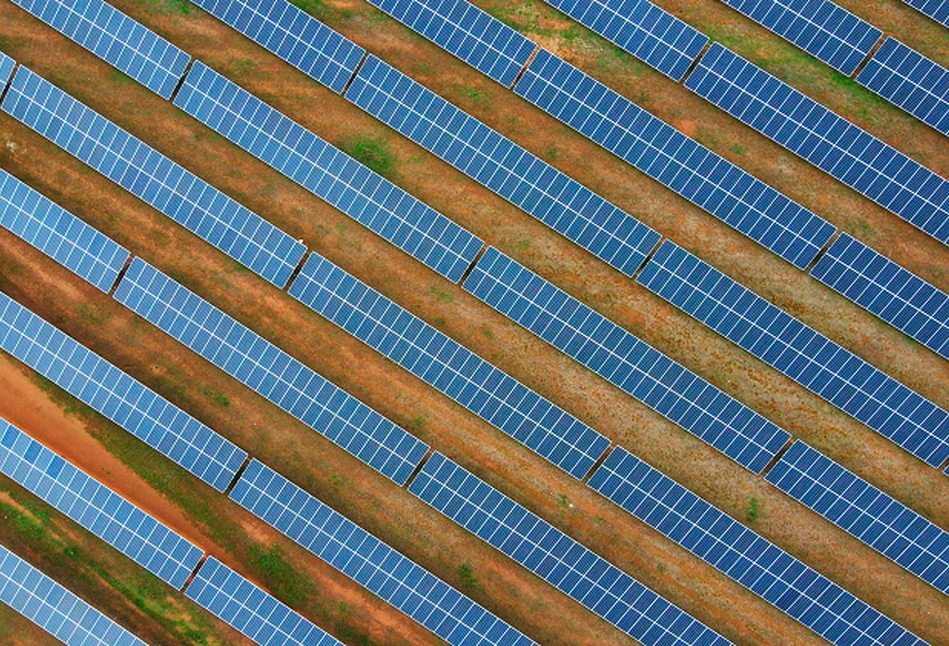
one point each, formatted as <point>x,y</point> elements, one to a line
<point>938,10</point>
<point>667,155</point>
<point>115,38</point>
<point>887,290</point>
<point>153,178</point>
<point>55,609</point>
<point>270,372</point>
<point>834,373</point>
<point>113,393</point>
<point>625,361</point>
<point>95,507</point>
<point>566,564</point>
<point>6,70</point>
<point>328,173</point>
<point>741,554</point>
<point>865,512</point>
<point>374,565</point>
<point>842,150</point>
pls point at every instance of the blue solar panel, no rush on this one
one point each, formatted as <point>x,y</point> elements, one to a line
<point>733,549</point>
<point>876,283</point>
<point>468,32</point>
<point>908,79</point>
<point>6,69</point>
<point>113,393</point>
<point>625,361</point>
<point>830,142</point>
<point>567,565</point>
<point>859,508</point>
<point>801,353</point>
<point>501,165</point>
<point>59,234</point>
<point>270,372</point>
<point>97,508</point>
<point>938,10</point>
<point>256,614</point>
<point>152,177</point>
<point>448,366</point>
<point>327,172</point>
<point>55,609</point>
<point>678,162</point>
<point>115,38</point>
<point>374,565</point>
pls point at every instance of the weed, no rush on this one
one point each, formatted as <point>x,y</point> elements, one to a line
<point>738,149</point>
<point>216,395</point>
<point>440,322</point>
<point>441,295</point>
<point>240,269</point>
<point>372,152</point>
<point>120,77</point>
<point>93,314</point>
<point>551,152</point>
<point>180,7</point>
<point>277,573</point>
<point>468,579</point>
<point>418,422</point>
<point>753,511</point>
<point>571,33</point>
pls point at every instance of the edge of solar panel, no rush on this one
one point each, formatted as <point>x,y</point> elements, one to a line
<point>6,70</point>
<point>56,609</point>
<point>151,60</point>
<point>95,507</point>
<point>77,246</point>
<point>938,10</point>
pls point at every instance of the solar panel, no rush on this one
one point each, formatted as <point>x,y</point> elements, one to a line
<point>468,32</point>
<point>153,178</point>
<point>270,372</point>
<point>97,508</point>
<point>938,10</point>
<point>862,510</point>
<point>625,361</point>
<point>115,38</point>
<point>738,552</point>
<point>6,69</point>
<point>501,165</point>
<point>908,79</point>
<point>371,563</point>
<point>830,142</point>
<point>114,394</point>
<point>876,283</point>
<point>448,366</point>
<point>254,613</point>
<point>327,172</point>
<point>567,565</point>
<point>678,162</point>
<point>55,609</point>
<point>806,356</point>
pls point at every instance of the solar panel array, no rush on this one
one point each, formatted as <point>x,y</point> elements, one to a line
<point>95,507</point>
<point>881,286</point>
<point>269,371</point>
<point>862,510</point>
<point>6,69</point>
<point>115,38</point>
<point>55,609</point>
<point>938,10</point>
<point>798,351</point>
<point>152,177</point>
<point>370,562</point>
<point>567,565</point>
<point>733,549</point>
<point>678,162</point>
<point>625,361</point>
<point>59,234</point>
<point>256,614</point>
<point>466,31</point>
<point>830,142</point>
<point>908,79</point>
<point>328,172</point>
<point>113,393</point>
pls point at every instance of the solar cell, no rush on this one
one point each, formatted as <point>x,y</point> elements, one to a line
<point>678,162</point>
<point>97,508</point>
<point>498,163</point>
<point>153,178</point>
<point>6,69</point>
<point>938,10</point>
<point>736,551</point>
<point>370,562</point>
<point>55,609</point>
<point>115,38</point>
<point>827,140</point>
<point>113,393</point>
<point>625,361</point>
<point>882,287</point>
<point>806,356</point>
<point>328,172</point>
<point>269,371</point>
<point>567,565</point>
<point>862,510</point>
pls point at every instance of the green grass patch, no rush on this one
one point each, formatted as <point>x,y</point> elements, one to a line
<point>216,396</point>
<point>468,580</point>
<point>753,512</point>
<point>441,295</point>
<point>275,571</point>
<point>475,95</point>
<point>180,7</point>
<point>120,77</point>
<point>372,152</point>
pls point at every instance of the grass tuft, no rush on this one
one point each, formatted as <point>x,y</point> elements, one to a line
<point>372,152</point>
